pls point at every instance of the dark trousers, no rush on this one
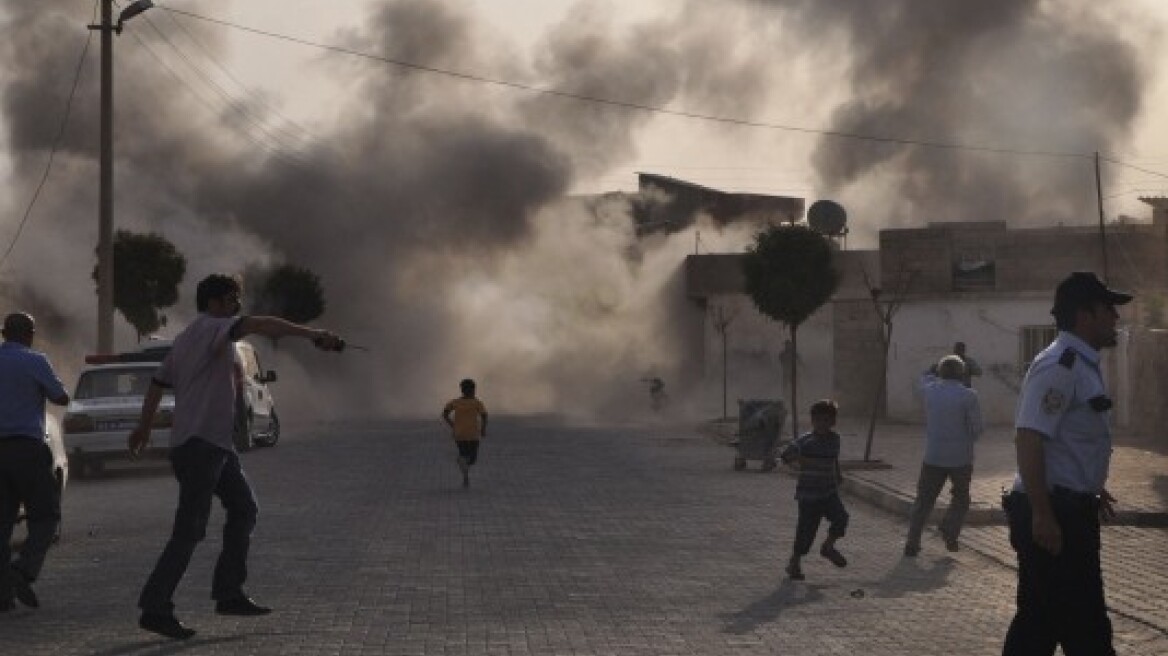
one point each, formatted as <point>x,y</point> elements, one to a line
<point>929,485</point>
<point>811,512</point>
<point>26,477</point>
<point>204,471</point>
<point>468,450</point>
<point>1060,598</point>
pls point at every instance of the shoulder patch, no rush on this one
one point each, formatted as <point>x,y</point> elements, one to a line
<point>1053,401</point>
<point>1067,359</point>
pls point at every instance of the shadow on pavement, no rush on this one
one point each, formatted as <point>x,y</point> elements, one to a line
<point>788,595</point>
<point>163,646</point>
<point>915,575</point>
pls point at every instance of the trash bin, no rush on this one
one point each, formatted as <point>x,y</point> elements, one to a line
<point>759,423</point>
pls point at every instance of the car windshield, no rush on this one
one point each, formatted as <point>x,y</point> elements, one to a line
<point>114,383</point>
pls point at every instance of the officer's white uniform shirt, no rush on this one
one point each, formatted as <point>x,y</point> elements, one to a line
<point>1063,398</point>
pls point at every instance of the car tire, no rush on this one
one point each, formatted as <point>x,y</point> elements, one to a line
<point>243,435</point>
<point>272,435</point>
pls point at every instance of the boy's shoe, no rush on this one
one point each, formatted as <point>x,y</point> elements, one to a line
<point>834,556</point>
<point>794,571</point>
<point>912,550</point>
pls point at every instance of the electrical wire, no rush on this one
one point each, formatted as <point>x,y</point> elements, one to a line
<point>53,151</point>
<point>627,104</point>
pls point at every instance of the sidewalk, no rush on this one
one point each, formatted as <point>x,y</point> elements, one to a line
<point>1138,478</point>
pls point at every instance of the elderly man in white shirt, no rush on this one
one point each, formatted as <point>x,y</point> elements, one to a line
<point>952,424</point>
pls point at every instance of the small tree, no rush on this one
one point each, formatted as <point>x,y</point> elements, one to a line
<point>885,307</point>
<point>789,275</point>
<point>722,320</point>
<point>289,292</point>
<point>147,272</point>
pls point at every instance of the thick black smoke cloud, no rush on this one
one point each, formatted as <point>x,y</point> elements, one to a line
<point>1011,74</point>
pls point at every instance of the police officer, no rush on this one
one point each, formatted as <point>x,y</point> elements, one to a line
<point>1063,443</point>
<point>26,462</point>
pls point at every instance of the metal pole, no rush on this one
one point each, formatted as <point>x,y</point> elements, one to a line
<point>105,212</point>
<point>1102,228</point>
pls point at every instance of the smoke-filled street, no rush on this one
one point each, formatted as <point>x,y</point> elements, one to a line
<point>570,540</point>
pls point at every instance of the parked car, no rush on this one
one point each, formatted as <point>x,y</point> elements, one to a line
<point>256,421</point>
<point>108,401</point>
<point>105,408</point>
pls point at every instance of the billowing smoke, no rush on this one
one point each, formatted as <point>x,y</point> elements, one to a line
<point>1059,77</point>
<point>438,213</point>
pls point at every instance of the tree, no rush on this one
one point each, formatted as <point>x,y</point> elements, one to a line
<point>147,272</point>
<point>885,308</point>
<point>289,292</point>
<point>722,320</point>
<point>789,275</point>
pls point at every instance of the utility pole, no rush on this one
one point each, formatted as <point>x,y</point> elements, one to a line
<point>1102,228</point>
<point>105,204</point>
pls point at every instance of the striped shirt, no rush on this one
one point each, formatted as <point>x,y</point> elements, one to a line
<point>818,460</point>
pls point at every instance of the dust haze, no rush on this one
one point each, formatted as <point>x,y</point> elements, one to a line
<point>438,212</point>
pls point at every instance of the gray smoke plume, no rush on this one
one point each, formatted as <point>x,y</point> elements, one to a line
<point>437,210</point>
<point>1012,74</point>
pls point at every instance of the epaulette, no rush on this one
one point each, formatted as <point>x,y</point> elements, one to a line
<point>1067,359</point>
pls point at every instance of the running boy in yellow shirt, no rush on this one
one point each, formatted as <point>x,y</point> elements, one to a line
<point>468,426</point>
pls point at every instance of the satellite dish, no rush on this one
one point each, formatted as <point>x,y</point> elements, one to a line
<point>827,217</point>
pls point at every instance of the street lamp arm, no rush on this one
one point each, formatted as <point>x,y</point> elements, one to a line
<point>134,8</point>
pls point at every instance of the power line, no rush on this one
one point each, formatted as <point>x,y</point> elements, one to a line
<point>56,146</point>
<point>1133,166</point>
<point>627,104</point>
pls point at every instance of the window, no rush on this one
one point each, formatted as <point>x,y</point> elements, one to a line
<point>1031,342</point>
<point>973,271</point>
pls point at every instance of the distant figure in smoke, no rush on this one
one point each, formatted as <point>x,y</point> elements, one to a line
<point>657,396</point>
<point>200,367</point>
<point>467,418</point>
<point>972,368</point>
<point>27,380</point>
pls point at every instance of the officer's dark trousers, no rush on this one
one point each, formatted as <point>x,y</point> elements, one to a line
<point>26,476</point>
<point>204,471</point>
<point>811,513</point>
<point>1060,598</point>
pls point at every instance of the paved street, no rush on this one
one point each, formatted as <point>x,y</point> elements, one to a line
<point>571,540</point>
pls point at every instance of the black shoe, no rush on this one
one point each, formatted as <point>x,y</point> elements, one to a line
<point>165,625</point>
<point>7,605</point>
<point>243,606</point>
<point>911,550</point>
<point>794,571</point>
<point>950,542</point>
<point>834,556</point>
<point>23,589</point>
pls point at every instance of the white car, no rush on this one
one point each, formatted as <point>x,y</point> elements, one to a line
<point>104,409</point>
<point>108,401</point>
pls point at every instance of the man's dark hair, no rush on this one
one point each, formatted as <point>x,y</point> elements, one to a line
<point>467,386</point>
<point>18,326</point>
<point>824,407</point>
<point>216,285</point>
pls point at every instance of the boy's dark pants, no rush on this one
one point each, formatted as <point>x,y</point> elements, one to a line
<point>468,450</point>
<point>811,511</point>
<point>204,471</point>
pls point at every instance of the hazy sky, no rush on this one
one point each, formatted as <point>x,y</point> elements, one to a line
<point>744,159</point>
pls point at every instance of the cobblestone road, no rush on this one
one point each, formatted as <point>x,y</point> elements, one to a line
<point>572,540</point>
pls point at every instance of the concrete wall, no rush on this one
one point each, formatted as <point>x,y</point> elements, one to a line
<point>924,331</point>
